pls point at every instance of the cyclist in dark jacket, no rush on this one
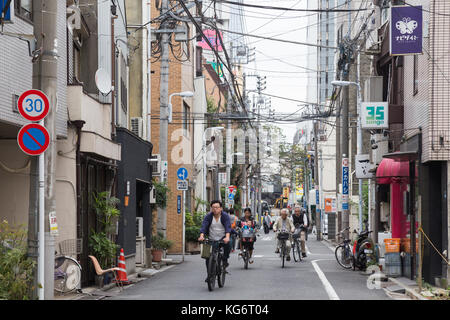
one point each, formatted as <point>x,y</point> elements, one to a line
<point>216,225</point>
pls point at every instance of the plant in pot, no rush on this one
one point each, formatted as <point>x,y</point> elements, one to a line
<point>105,251</point>
<point>159,245</point>
<point>102,244</point>
<point>192,232</point>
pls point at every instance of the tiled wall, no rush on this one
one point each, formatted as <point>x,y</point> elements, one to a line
<point>16,70</point>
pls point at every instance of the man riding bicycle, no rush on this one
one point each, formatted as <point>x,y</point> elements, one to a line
<point>248,221</point>
<point>284,224</point>
<point>216,225</point>
<point>301,218</point>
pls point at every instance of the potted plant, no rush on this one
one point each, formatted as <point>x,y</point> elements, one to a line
<point>159,245</point>
<point>192,232</point>
<point>105,251</point>
<point>102,244</point>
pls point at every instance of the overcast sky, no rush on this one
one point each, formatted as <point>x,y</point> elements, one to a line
<point>287,80</point>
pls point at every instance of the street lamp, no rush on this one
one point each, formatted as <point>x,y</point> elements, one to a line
<point>204,161</point>
<point>359,137</point>
<point>185,94</point>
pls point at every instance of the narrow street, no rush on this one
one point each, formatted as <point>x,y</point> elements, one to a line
<point>264,280</point>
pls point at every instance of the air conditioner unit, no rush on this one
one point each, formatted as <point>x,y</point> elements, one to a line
<point>139,227</point>
<point>152,195</point>
<point>136,126</point>
<point>156,165</point>
<point>140,252</point>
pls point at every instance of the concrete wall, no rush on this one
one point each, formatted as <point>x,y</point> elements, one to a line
<point>14,187</point>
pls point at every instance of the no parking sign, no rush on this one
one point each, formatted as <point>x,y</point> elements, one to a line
<point>33,139</point>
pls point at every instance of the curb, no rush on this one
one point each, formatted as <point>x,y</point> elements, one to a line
<point>408,291</point>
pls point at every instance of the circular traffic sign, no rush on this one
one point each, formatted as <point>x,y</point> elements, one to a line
<point>33,105</point>
<point>182,173</point>
<point>33,139</point>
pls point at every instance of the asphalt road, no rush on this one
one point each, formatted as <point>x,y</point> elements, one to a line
<point>317,277</point>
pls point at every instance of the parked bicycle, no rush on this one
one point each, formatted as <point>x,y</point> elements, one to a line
<point>67,273</point>
<point>343,252</point>
<point>283,237</point>
<point>359,255</point>
<point>296,247</point>
<point>216,269</point>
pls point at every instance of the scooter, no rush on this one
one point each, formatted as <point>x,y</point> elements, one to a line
<point>363,251</point>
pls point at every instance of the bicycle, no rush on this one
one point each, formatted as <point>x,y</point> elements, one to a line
<point>215,264</point>
<point>343,252</point>
<point>247,237</point>
<point>296,247</point>
<point>67,270</point>
<point>283,236</point>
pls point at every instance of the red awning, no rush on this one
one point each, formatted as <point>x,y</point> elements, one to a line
<point>389,168</point>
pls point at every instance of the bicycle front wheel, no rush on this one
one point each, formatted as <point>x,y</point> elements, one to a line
<point>245,259</point>
<point>297,252</point>
<point>283,255</point>
<point>220,273</point>
<point>343,257</point>
<point>211,273</point>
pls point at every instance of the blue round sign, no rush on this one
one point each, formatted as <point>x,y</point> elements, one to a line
<point>182,173</point>
<point>33,139</point>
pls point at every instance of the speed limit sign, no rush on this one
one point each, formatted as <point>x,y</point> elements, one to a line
<point>33,105</point>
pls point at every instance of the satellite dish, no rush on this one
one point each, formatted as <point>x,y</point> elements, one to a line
<point>103,81</point>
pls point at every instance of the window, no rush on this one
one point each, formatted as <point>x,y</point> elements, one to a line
<point>76,63</point>
<point>186,118</point>
<point>416,75</point>
<point>24,9</point>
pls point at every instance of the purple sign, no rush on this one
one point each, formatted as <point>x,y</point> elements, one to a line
<point>406,30</point>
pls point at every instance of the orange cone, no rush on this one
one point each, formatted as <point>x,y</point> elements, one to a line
<point>122,273</point>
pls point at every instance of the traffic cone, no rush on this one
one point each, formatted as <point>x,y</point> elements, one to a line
<point>122,273</point>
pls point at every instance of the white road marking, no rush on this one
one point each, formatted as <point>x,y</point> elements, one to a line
<point>307,249</point>
<point>328,246</point>
<point>328,288</point>
<point>267,238</point>
<point>258,256</point>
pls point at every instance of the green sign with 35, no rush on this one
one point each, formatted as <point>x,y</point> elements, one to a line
<point>374,115</point>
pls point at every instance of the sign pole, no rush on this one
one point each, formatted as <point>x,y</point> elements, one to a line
<point>184,223</point>
<point>41,258</point>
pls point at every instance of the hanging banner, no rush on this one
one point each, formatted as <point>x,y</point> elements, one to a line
<point>218,68</point>
<point>406,30</point>
<point>212,36</point>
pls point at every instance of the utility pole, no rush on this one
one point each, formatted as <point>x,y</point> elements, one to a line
<point>45,72</point>
<point>164,102</point>
<point>316,175</point>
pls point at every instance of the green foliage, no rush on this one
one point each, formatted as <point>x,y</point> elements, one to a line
<point>106,210</point>
<point>159,242</point>
<point>211,109</point>
<point>193,224</point>
<point>16,269</point>
<point>103,249</point>
<point>163,194</point>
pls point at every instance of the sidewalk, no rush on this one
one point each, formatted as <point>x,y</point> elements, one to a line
<point>398,288</point>
<point>111,290</point>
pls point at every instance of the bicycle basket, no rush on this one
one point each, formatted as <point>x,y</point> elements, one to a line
<point>296,233</point>
<point>283,236</point>
<point>247,233</point>
<point>205,250</point>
